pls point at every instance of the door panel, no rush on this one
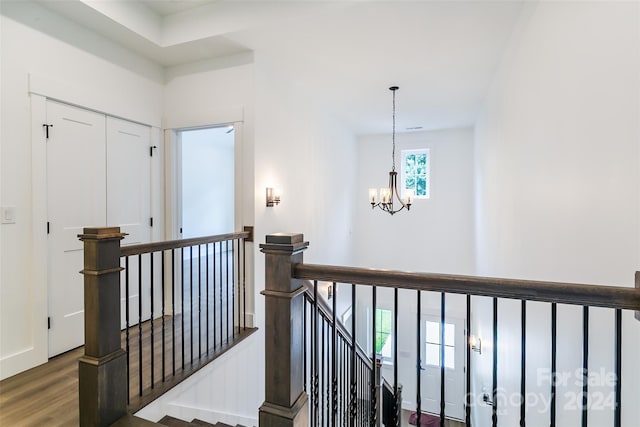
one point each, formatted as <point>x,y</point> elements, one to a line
<point>75,199</point>
<point>129,203</point>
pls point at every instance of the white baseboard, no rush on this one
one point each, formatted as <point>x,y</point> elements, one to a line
<point>20,361</point>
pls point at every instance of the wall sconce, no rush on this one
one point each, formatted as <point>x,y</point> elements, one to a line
<point>475,343</point>
<point>330,292</point>
<point>273,196</point>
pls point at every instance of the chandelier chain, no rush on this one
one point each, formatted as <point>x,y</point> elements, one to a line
<point>393,135</point>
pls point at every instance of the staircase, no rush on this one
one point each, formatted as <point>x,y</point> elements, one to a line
<point>170,421</point>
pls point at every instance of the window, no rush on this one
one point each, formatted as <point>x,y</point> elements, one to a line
<point>432,347</point>
<point>416,173</point>
<point>383,332</point>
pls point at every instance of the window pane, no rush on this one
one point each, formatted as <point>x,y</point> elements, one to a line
<point>386,348</point>
<point>433,332</point>
<point>433,354</point>
<point>421,186</point>
<point>449,357</point>
<point>449,334</point>
<point>410,183</point>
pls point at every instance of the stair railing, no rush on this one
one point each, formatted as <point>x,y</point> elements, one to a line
<point>173,306</point>
<point>289,377</point>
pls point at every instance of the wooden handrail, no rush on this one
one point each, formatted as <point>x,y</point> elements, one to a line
<point>145,248</point>
<point>530,290</point>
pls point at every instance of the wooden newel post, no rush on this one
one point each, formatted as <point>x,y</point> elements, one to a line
<point>102,370</point>
<point>286,403</point>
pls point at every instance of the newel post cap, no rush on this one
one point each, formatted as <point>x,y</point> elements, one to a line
<point>284,242</point>
<point>101,233</point>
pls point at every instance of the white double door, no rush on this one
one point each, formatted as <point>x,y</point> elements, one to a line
<point>98,174</point>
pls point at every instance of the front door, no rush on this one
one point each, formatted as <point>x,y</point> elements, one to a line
<point>454,356</point>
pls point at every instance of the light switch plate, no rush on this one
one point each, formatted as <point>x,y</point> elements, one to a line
<point>8,215</point>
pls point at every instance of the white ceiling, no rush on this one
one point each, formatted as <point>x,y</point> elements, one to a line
<point>171,7</point>
<point>341,55</point>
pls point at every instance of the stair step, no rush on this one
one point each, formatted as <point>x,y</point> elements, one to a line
<point>170,421</point>
<point>199,423</point>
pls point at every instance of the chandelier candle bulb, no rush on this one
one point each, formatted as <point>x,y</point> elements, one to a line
<point>373,195</point>
<point>409,194</point>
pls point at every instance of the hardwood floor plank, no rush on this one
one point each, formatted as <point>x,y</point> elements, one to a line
<point>47,395</point>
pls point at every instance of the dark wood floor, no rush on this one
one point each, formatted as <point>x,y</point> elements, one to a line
<point>48,394</point>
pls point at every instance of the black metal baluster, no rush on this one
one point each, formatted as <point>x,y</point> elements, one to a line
<point>221,303</point>
<point>334,361</point>
<point>523,363</point>
<point>617,415</point>
<point>467,406</point>
<point>396,409</point>
<point>206,285</point>
<point>304,341</point>
<point>354,384</point>
<point>235,255</point>
<point>199,302</point>
<point>244,282</point>
<point>442,355</point>
<point>173,312</point>
<point>316,355</point>
<point>494,395</point>
<point>140,323</point>
<point>162,297</point>
<point>554,348</point>
<point>418,361</point>
<point>373,401</point>
<point>227,291</point>
<point>323,353</point>
<point>191,301</point>
<point>585,364</point>
<point>126,321</point>
<point>182,302</point>
<point>213,283</point>
<point>151,319</point>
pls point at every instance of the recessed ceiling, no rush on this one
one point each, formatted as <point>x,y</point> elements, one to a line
<point>171,7</point>
<point>338,55</point>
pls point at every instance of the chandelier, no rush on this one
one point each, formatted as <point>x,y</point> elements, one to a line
<point>388,194</point>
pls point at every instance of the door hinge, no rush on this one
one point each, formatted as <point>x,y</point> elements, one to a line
<point>46,129</point>
<point>48,322</point>
<point>151,222</point>
<point>48,227</point>
<point>151,150</point>
<point>180,230</point>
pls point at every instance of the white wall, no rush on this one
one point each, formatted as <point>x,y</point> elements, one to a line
<point>223,391</point>
<point>557,191</point>
<point>60,59</point>
<point>212,93</point>
<point>436,235</point>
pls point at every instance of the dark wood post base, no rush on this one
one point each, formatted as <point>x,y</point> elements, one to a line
<point>103,399</point>
<point>277,416</point>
